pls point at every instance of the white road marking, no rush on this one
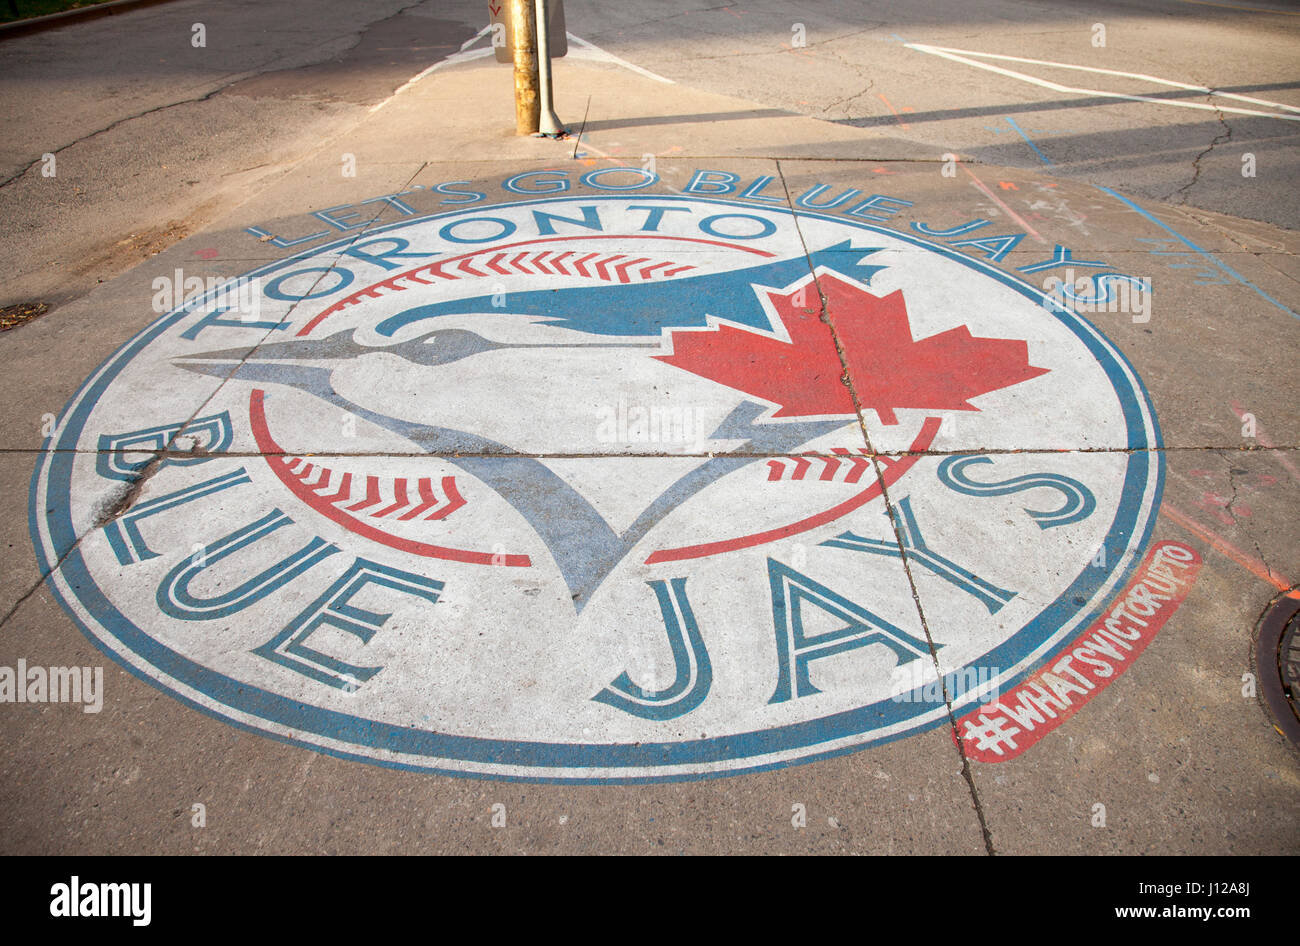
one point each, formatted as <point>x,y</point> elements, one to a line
<point>463,56</point>
<point>583,50</point>
<point>477,36</point>
<point>961,55</point>
<point>587,50</point>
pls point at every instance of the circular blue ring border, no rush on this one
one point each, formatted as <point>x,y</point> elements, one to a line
<point>475,750</point>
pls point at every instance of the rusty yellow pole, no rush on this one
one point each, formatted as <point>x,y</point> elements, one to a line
<point>523,29</point>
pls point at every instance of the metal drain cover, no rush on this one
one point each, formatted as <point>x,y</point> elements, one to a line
<point>1278,658</point>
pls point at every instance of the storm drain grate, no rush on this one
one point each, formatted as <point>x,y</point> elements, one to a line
<point>1278,658</point>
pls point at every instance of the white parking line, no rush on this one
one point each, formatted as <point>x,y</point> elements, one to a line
<point>962,56</point>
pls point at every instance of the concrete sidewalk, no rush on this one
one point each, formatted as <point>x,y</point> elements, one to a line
<point>831,518</point>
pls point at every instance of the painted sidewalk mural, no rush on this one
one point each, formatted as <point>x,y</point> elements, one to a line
<point>600,487</point>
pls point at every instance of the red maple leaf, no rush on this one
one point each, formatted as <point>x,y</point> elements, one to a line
<point>889,369</point>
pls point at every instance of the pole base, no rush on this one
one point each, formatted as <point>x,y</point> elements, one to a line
<point>548,124</point>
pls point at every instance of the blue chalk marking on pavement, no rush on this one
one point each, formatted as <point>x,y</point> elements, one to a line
<point>1224,267</point>
<point>1020,131</point>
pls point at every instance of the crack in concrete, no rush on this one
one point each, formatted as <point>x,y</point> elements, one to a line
<point>1232,485</point>
<point>1230,234</point>
<point>895,524</point>
<point>850,98</point>
<point>122,121</point>
<point>871,82</point>
<point>1182,192</point>
<point>39,581</point>
<point>261,69</point>
<point>967,773</point>
<point>120,506</point>
<point>114,510</point>
<point>124,502</point>
<point>824,315</point>
<point>1262,256</point>
<point>288,315</point>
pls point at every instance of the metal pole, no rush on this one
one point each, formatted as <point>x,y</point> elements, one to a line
<point>523,28</point>
<point>548,124</point>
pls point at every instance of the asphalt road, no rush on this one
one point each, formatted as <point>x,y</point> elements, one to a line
<point>861,66</point>
<point>155,134</point>
<point>123,103</point>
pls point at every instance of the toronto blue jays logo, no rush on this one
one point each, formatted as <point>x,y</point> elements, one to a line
<point>606,488</point>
